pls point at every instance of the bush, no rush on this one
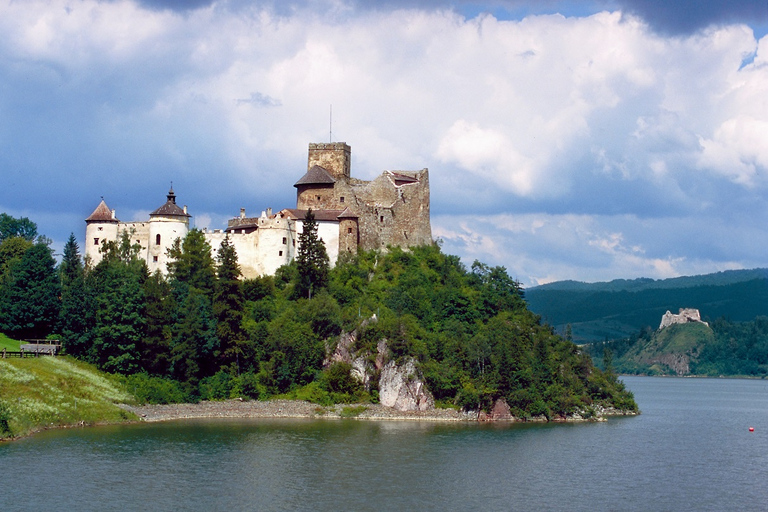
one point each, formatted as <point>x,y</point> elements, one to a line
<point>5,419</point>
<point>155,390</point>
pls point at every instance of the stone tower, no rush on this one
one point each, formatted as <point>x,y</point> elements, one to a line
<point>101,225</point>
<point>166,224</point>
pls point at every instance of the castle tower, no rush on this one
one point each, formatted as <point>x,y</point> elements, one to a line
<point>100,226</point>
<point>166,224</point>
<point>325,186</point>
<point>334,157</point>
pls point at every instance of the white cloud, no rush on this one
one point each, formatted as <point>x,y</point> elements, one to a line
<point>562,131</point>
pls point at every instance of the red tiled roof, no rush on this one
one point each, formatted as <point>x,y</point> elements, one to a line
<point>102,213</point>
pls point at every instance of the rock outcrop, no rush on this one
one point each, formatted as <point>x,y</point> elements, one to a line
<point>683,317</point>
<point>401,386</point>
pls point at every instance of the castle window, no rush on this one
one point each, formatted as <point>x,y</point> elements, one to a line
<point>95,241</point>
<point>381,219</point>
<point>280,253</point>
<point>349,231</point>
<point>154,258</point>
<point>101,228</point>
<point>341,199</point>
<point>285,240</point>
<point>318,197</point>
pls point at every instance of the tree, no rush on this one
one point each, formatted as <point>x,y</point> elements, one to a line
<point>22,227</point>
<point>29,299</point>
<point>11,251</point>
<point>228,306</point>
<point>192,263</point>
<point>160,308</point>
<point>312,261</point>
<point>76,317</point>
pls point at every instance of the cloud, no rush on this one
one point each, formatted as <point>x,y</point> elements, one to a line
<point>558,144</point>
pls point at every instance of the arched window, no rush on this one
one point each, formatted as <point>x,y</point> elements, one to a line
<point>157,239</point>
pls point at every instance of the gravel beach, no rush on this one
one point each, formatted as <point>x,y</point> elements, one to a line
<point>288,409</point>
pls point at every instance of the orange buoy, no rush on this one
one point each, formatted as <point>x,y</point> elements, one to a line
<point>751,429</point>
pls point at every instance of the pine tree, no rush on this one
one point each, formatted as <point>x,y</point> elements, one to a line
<point>228,306</point>
<point>312,261</point>
<point>155,347</point>
<point>76,318</point>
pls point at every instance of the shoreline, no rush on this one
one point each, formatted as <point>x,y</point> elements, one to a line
<point>237,408</point>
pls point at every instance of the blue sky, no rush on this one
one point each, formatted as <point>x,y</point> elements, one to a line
<point>565,140</point>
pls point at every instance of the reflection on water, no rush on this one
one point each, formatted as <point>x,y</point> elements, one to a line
<point>689,450</point>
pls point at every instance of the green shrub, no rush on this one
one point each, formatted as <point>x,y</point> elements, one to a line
<point>5,418</point>
<point>155,390</point>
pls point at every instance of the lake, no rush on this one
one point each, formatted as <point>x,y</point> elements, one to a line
<point>691,449</point>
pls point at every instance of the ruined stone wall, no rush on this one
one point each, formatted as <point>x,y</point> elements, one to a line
<point>391,214</point>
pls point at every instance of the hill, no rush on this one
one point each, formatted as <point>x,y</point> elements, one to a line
<point>617,309</point>
<point>46,392</point>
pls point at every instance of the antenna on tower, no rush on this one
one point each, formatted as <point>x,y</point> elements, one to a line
<point>330,124</point>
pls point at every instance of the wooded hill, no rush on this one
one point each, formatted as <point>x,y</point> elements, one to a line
<point>620,308</point>
<point>201,332</point>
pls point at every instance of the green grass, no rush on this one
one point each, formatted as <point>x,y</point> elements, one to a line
<point>44,392</point>
<point>9,344</point>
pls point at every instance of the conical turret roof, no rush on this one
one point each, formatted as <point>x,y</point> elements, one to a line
<point>102,213</point>
<point>170,208</point>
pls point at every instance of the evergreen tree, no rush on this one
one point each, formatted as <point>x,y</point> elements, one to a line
<point>192,263</point>
<point>312,262</point>
<point>194,340</point>
<point>76,317</point>
<point>228,306</point>
<point>29,299</point>
<point>155,348</point>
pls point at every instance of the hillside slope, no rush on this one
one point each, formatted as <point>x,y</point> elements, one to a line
<point>47,392</point>
<point>620,308</point>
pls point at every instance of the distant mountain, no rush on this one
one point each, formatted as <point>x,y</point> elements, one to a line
<point>619,308</point>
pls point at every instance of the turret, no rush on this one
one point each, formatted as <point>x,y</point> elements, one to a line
<point>100,226</point>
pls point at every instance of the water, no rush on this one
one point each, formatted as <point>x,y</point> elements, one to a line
<point>691,449</point>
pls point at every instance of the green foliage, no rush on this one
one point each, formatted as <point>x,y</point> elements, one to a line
<point>312,261</point>
<point>29,298</point>
<point>5,421</point>
<point>12,227</point>
<point>148,389</point>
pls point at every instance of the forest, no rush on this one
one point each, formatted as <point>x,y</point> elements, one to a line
<point>203,332</point>
<point>728,348</point>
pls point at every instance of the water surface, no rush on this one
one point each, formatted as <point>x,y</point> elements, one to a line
<point>691,449</point>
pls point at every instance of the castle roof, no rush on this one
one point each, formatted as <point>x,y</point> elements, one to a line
<point>102,213</point>
<point>402,179</point>
<point>348,214</point>
<point>316,176</point>
<point>170,208</point>
<point>320,215</point>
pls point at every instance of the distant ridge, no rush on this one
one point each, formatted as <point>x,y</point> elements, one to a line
<point>619,308</point>
<point>644,283</point>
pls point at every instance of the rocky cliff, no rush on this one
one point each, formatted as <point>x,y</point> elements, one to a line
<point>400,383</point>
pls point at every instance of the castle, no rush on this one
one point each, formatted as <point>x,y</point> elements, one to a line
<point>351,215</point>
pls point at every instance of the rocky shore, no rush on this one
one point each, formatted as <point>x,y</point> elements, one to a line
<point>299,409</point>
<point>288,409</point>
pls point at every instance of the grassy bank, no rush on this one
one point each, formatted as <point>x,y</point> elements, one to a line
<point>9,344</point>
<point>44,392</point>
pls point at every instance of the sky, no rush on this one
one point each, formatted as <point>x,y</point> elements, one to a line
<point>589,140</point>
